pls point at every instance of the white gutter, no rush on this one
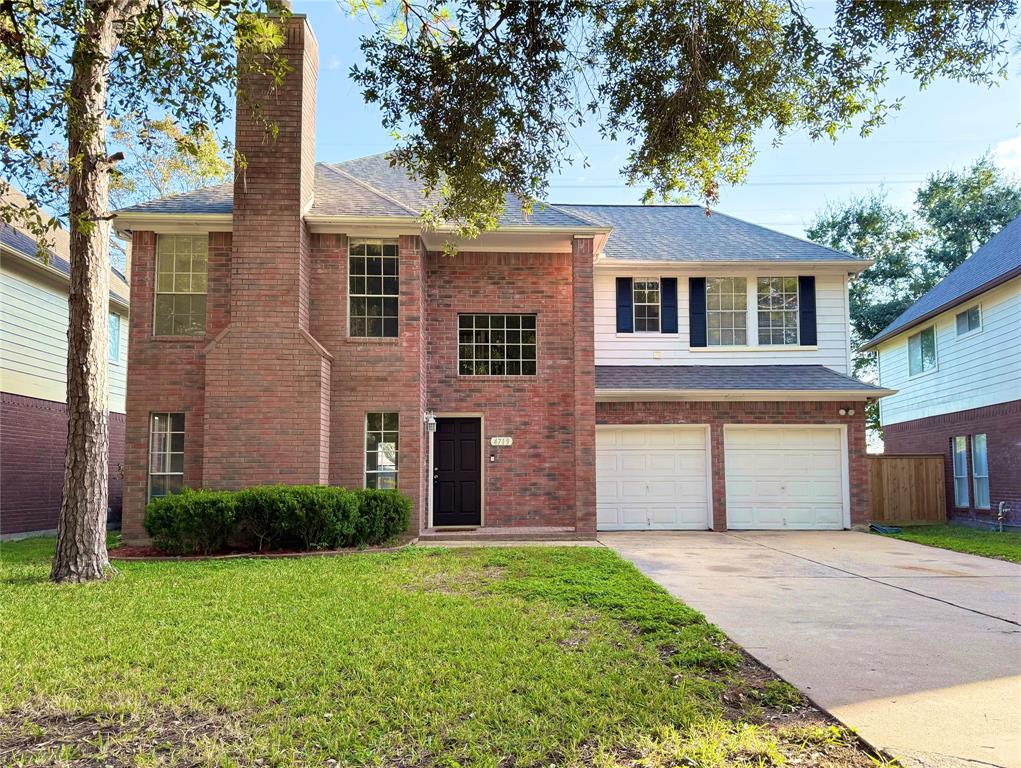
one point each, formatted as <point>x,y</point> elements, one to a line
<point>605,395</point>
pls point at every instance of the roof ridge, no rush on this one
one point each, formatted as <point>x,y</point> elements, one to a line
<point>333,167</point>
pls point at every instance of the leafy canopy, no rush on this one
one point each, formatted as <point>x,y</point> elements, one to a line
<point>482,95</point>
<point>170,80</point>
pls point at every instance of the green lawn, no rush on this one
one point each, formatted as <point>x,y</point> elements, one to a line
<point>424,657</point>
<point>1003,546</point>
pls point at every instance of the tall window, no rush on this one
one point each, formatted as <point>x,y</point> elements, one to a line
<point>646,302</point>
<point>778,310</point>
<point>381,450</point>
<point>181,270</point>
<point>373,288</point>
<point>980,471</point>
<point>115,337</point>
<point>922,351</point>
<point>496,345</point>
<point>726,301</point>
<point>969,320</point>
<point>166,454</point>
<point>959,447</point>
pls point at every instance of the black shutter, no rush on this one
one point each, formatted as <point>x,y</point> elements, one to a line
<point>668,304</point>
<point>625,306</point>
<point>696,312</point>
<point>806,310</point>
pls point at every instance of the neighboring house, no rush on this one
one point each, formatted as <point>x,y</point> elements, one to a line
<point>955,358</point>
<point>33,381</point>
<point>582,367</point>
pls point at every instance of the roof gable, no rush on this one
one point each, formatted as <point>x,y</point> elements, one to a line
<point>994,263</point>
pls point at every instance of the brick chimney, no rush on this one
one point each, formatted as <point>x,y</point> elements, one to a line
<point>267,378</point>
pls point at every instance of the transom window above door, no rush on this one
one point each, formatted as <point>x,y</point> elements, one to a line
<point>373,288</point>
<point>647,305</point>
<point>727,311</point>
<point>496,345</point>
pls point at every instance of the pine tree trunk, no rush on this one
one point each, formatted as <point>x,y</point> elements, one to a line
<point>81,533</point>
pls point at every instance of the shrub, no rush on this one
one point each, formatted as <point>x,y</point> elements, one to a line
<point>191,521</point>
<point>277,517</point>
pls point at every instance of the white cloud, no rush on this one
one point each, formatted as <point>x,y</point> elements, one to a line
<point>334,63</point>
<point>1007,155</point>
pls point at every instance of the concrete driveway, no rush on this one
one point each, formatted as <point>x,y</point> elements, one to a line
<point>916,648</point>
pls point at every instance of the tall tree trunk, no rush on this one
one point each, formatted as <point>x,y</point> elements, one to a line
<point>81,533</point>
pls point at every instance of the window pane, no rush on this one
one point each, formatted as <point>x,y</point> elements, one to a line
<point>166,453</point>
<point>495,342</point>
<point>373,288</point>
<point>978,455</point>
<point>959,447</point>
<point>181,267</point>
<point>381,450</point>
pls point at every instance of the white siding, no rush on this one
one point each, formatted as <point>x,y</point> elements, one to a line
<point>33,340</point>
<point>979,369</point>
<point>612,348</point>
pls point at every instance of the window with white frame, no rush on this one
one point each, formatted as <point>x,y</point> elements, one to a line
<point>647,305</point>
<point>496,345</point>
<point>778,310</point>
<point>726,301</point>
<point>373,288</point>
<point>181,273</point>
<point>980,471</point>
<point>922,351</point>
<point>959,448</point>
<point>166,454</point>
<point>115,337</point>
<point>381,450</point>
<point>969,320</point>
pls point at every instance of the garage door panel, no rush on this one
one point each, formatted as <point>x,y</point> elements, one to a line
<point>651,478</point>
<point>784,478</point>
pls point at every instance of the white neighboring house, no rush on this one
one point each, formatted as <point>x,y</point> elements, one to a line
<point>954,358</point>
<point>33,382</point>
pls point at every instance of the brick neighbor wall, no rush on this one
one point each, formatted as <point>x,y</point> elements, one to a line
<point>533,481</point>
<point>1001,424</point>
<point>718,414</point>
<point>33,438</point>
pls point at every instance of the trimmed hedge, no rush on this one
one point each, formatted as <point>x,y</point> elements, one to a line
<point>276,517</point>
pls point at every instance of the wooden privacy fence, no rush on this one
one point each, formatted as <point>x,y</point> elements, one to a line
<point>907,489</point>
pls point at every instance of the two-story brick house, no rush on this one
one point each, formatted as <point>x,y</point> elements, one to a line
<point>579,367</point>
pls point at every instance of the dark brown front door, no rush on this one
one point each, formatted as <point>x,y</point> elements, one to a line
<point>457,472</point>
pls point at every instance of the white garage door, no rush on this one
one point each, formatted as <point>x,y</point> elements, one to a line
<point>651,478</point>
<point>781,477</point>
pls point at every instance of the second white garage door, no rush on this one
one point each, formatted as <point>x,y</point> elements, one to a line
<point>651,478</point>
<point>785,477</point>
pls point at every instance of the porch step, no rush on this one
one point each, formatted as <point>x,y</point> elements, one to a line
<point>523,533</point>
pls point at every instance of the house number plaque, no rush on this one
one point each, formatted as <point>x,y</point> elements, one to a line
<point>501,441</point>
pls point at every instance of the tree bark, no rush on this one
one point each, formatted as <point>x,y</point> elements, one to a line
<point>81,532</point>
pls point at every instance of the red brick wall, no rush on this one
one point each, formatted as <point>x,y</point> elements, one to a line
<point>717,414</point>
<point>165,374</point>
<point>583,344</point>
<point>33,438</point>
<point>385,374</point>
<point>1001,424</point>
<point>531,482</point>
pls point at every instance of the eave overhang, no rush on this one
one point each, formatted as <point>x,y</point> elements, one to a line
<point>757,395</point>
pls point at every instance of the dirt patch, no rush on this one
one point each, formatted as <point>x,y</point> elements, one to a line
<point>470,582</point>
<point>91,740</point>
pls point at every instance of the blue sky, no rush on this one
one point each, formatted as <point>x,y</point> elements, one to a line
<point>948,125</point>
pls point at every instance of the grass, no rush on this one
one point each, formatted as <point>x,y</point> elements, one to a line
<point>424,657</point>
<point>974,541</point>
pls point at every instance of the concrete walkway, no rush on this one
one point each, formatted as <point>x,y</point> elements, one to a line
<point>916,648</point>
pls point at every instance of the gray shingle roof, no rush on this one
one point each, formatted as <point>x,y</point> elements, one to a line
<point>736,377</point>
<point>366,186</point>
<point>994,263</point>
<point>686,233</point>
